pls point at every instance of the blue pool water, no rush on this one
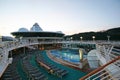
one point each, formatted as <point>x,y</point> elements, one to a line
<point>71,55</point>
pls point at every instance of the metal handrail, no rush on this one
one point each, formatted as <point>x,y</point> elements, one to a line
<point>99,69</point>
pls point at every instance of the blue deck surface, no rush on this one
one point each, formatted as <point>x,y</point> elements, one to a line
<point>72,73</point>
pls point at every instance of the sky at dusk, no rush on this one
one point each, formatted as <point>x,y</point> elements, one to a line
<point>68,16</point>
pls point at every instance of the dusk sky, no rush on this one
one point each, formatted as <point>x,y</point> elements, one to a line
<point>68,16</point>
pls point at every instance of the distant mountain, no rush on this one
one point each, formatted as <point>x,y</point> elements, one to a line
<point>113,33</point>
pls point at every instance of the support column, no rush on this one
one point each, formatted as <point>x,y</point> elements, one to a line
<point>24,50</point>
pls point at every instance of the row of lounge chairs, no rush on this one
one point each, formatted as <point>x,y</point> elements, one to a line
<point>11,73</point>
<point>53,69</point>
<point>32,72</point>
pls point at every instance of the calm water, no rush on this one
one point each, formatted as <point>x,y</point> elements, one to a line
<point>71,55</point>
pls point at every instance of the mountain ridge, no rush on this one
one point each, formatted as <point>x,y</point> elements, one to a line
<point>113,33</point>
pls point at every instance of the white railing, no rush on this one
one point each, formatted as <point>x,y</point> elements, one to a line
<point>109,71</point>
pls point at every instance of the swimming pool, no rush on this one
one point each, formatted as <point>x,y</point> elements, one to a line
<point>71,55</point>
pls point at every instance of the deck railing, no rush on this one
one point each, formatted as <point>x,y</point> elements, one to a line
<point>109,71</point>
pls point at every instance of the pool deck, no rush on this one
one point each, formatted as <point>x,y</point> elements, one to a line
<point>66,63</point>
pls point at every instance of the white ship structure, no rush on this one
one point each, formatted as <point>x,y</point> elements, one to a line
<point>104,58</point>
